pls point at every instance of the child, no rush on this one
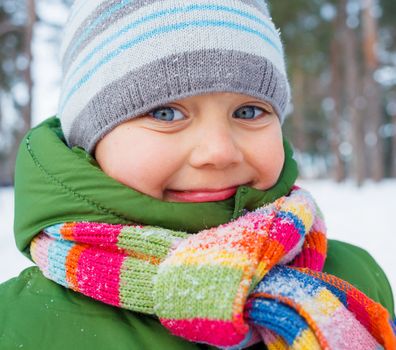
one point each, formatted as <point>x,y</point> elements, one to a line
<point>160,207</point>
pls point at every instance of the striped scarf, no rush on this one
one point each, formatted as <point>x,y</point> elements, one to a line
<point>254,279</point>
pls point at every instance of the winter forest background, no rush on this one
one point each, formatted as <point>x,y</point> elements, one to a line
<point>341,58</point>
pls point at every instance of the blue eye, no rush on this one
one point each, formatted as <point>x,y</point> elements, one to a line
<point>248,112</point>
<point>167,114</point>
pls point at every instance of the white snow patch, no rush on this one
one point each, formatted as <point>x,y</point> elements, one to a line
<point>361,216</point>
<point>11,260</point>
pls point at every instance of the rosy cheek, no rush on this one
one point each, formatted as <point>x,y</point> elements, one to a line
<point>148,166</point>
<point>269,163</point>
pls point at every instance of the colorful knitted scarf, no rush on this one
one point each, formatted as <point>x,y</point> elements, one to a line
<point>254,279</point>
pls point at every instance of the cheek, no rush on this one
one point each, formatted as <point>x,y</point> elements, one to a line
<point>275,162</point>
<point>140,162</point>
<point>267,157</point>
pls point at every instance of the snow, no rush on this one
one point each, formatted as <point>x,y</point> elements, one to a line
<point>363,217</point>
<point>11,260</point>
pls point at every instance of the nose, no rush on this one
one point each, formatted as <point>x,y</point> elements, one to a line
<point>217,147</point>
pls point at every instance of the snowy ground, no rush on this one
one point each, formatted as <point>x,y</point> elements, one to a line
<point>360,216</point>
<point>11,260</point>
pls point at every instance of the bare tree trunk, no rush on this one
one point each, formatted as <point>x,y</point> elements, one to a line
<point>393,166</point>
<point>1,113</point>
<point>372,93</point>
<point>27,110</point>
<point>351,83</point>
<point>27,77</point>
<point>6,26</point>
<point>298,110</point>
<point>1,150</point>
<point>338,173</point>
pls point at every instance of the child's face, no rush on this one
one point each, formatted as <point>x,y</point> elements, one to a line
<point>197,149</point>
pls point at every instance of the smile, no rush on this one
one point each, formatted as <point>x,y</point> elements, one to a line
<point>204,195</point>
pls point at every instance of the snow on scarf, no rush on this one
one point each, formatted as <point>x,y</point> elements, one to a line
<point>254,279</point>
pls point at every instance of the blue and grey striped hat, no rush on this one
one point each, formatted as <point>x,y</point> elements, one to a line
<point>122,58</point>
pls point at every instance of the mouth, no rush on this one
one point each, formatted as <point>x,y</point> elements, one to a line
<point>200,195</point>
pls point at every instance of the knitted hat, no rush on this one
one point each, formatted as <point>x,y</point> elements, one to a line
<point>122,58</point>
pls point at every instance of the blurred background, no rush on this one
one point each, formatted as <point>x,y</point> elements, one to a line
<point>341,57</point>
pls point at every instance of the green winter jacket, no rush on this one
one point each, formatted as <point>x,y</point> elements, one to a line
<point>54,184</point>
